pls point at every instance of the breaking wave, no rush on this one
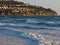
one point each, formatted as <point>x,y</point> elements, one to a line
<point>39,39</point>
<point>40,30</point>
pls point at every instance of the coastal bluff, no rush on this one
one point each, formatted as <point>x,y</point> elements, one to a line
<point>14,8</point>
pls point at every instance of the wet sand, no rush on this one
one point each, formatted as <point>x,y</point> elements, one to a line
<point>6,40</point>
<point>11,40</point>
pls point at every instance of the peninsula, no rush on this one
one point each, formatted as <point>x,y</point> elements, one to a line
<point>14,8</point>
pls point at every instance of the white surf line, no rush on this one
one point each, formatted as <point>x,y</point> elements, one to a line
<point>13,29</point>
<point>42,40</point>
<point>34,36</point>
<point>49,40</point>
<point>38,37</point>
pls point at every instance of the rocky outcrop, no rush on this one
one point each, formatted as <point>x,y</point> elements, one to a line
<point>14,8</point>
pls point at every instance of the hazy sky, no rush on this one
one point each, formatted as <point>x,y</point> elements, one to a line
<point>53,4</point>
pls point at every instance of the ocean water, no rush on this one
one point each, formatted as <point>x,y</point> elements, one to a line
<point>29,30</point>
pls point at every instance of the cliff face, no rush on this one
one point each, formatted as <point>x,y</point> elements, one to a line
<point>13,8</point>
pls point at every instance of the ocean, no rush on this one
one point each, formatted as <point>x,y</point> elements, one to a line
<point>25,30</point>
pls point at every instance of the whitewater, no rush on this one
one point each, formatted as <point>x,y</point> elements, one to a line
<point>29,30</point>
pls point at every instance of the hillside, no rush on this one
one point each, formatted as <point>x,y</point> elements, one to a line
<point>14,8</point>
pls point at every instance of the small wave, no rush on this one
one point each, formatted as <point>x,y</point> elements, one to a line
<point>43,40</point>
<point>34,21</point>
<point>53,22</point>
<point>27,26</point>
<point>43,22</point>
<point>40,39</point>
<point>20,34</point>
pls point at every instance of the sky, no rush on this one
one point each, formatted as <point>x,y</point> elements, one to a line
<point>53,4</point>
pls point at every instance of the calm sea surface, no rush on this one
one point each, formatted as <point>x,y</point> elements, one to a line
<point>29,30</point>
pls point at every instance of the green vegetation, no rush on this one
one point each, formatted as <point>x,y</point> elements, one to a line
<point>14,8</point>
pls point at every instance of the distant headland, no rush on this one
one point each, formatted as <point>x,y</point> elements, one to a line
<point>14,8</point>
